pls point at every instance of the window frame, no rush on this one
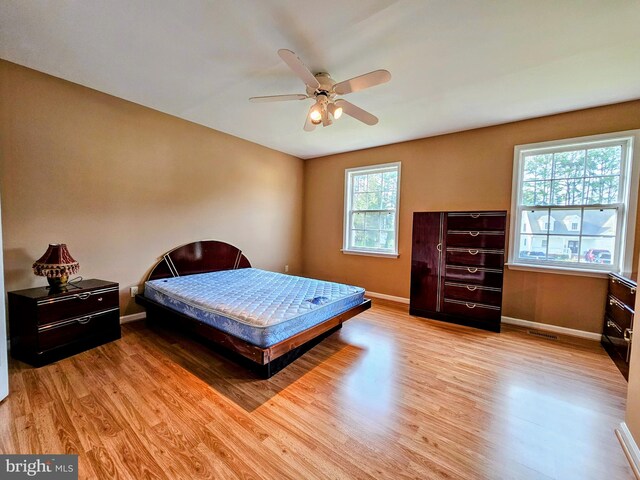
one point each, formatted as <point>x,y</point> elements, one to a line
<point>348,212</point>
<point>626,208</point>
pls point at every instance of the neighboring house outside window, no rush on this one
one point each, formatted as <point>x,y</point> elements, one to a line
<point>574,204</point>
<point>371,210</point>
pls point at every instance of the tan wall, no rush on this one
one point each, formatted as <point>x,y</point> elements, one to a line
<point>121,184</point>
<point>470,170</point>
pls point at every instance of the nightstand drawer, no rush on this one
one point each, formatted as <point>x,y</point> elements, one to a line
<point>78,304</point>
<point>64,332</point>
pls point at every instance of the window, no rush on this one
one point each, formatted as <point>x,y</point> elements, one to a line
<point>371,210</point>
<point>574,204</point>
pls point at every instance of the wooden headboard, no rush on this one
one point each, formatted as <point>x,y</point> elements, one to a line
<point>199,257</point>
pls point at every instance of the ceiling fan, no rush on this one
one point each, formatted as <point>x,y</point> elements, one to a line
<point>324,90</point>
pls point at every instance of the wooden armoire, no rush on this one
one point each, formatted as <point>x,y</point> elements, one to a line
<point>457,262</point>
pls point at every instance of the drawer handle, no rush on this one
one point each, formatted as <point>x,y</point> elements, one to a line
<point>473,252</point>
<point>613,301</point>
<point>614,325</point>
<point>633,291</point>
<point>470,305</point>
<point>439,247</point>
<point>628,333</point>
<point>472,269</point>
<point>84,320</point>
<point>99,299</point>
<point>83,296</point>
<point>470,288</point>
<point>475,215</point>
<point>474,234</point>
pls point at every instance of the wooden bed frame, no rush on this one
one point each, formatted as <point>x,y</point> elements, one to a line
<point>212,256</point>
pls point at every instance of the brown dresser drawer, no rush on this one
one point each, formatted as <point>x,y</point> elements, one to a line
<point>471,309</point>
<point>473,293</point>
<point>63,332</point>
<point>78,304</point>
<point>622,291</point>
<point>476,220</point>
<point>475,275</point>
<point>475,239</point>
<point>619,312</point>
<point>617,338</point>
<point>475,256</point>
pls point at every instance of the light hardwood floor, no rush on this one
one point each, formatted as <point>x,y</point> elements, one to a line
<point>389,396</point>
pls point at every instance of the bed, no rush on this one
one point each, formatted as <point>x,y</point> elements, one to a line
<point>264,320</point>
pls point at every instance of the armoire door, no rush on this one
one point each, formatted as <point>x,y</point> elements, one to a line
<point>4,367</point>
<point>426,261</point>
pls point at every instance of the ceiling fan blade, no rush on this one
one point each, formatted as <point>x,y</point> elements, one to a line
<point>309,126</point>
<point>367,80</point>
<point>299,68</point>
<point>356,112</point>
<point>278,98</point>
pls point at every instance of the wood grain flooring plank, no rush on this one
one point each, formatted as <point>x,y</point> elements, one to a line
<point>131,456</point>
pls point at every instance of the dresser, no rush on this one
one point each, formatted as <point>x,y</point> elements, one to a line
<point>457,263</point>
<point>617,330</point>
<point>45,326</point>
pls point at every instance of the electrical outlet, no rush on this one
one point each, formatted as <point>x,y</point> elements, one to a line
<point>134,291</point>
<point>286,269</point>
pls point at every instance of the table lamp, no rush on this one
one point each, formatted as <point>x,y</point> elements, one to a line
<point>56,264</point>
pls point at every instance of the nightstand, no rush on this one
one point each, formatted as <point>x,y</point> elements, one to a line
<point>45,327</point>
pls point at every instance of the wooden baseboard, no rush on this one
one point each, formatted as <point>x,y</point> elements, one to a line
<point>133,317</point>
<point>630,448</point>
<point>509,320</point>
<point>552,328</point>
<point>384,296</point>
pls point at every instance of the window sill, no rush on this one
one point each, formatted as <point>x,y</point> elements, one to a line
<point>370,254</point>
<point>527,267</point>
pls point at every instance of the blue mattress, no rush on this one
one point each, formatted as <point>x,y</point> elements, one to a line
<point>260,307</point>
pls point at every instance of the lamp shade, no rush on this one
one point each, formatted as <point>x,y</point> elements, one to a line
<point>56,262</point>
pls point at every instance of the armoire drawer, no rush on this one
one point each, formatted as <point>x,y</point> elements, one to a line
<point>475,239</point>
<point>475,256</point>
<point>471,309</point>
<point>475,275</point>
<point>476,220</point>
<point>473,293</point>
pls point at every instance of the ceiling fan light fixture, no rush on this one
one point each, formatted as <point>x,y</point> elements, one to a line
<point>335,111</point>
<point>316,114</point>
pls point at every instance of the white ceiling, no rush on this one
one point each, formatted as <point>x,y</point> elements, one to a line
<point>455,64</point>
